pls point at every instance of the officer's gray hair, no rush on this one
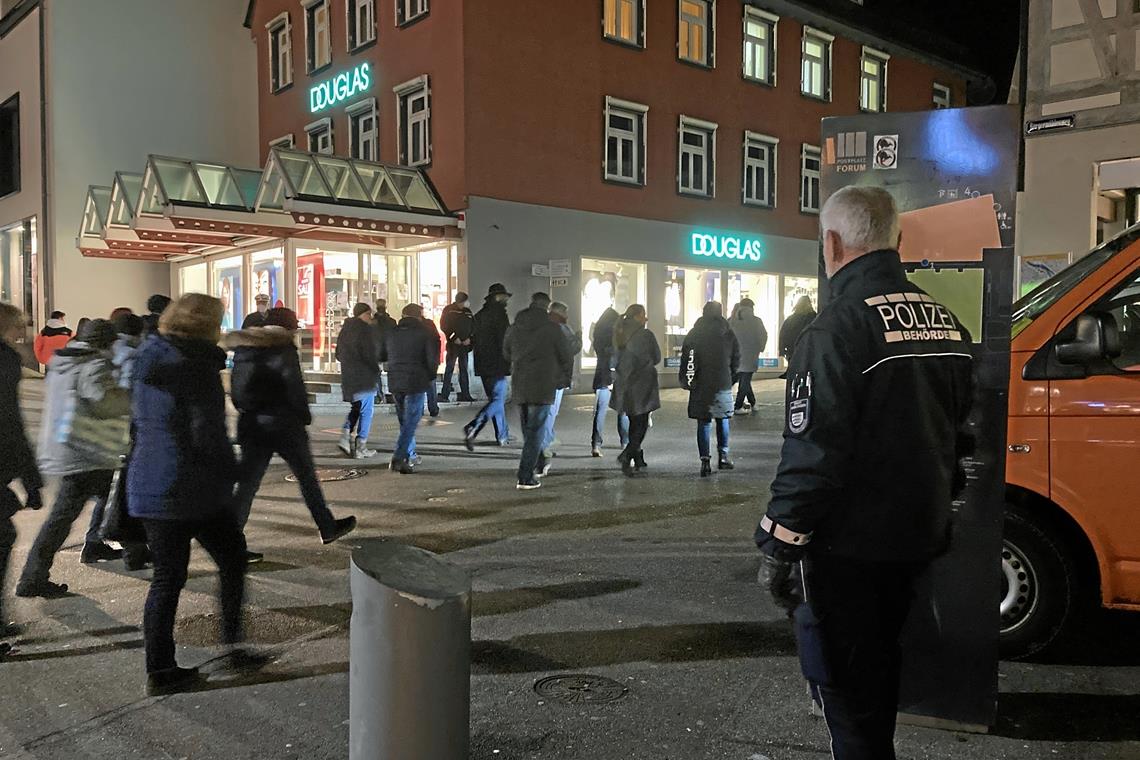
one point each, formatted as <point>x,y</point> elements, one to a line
<point>864,217</point>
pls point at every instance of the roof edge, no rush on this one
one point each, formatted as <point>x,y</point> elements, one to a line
<point>248,22</point>
<point>17,14</point>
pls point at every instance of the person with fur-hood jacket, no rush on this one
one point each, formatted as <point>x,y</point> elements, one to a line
<point>269,392</point>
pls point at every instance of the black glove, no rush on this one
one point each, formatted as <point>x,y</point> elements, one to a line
<point>780,579</point>
<point>777,549</point>
<point>34,500</point>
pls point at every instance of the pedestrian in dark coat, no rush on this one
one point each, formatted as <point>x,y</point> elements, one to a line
<point>560,315</point>
<point>256,318</point>
<point>753,337</point>
<point>268,391</point>
<point>358,351</point>
<point>18,461</point>
<point>802,316</point>
<point>181,478</point>
<point>155,305</point>
<point>710,358</point>
<point>636,391</point>
<point>602,340</point>
<point>383,322</point>
<point>433,335</point>
<point>540,359</point>
<point>412,354</point>
<point>492,367</point>
<point>458,327</point>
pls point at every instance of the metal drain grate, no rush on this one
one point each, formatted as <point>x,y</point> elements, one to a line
<point>580,689</point>
<point>330,474</point>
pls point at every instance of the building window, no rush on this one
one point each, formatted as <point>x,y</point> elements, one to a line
<point>873,81</point>
<point>696,157</point>
<point>361,22</point>
<point>695,31</point>
<point>809,179</point>
<point>941,96</point>
<point>285,141</point>
<point>280,53</point>
<point>318,39</point>
<point>624,21</point>
<point>625,141</point>
<point>759,170</point>
<point>759,45</point>
<point>408,11</point>
<point>364,138</point>
<point>320,136</point>
<point>10,146</point>
<point>413,100</point>
<point>815,81</point>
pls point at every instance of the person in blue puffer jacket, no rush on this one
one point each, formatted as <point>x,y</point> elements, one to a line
<point>181,477</point>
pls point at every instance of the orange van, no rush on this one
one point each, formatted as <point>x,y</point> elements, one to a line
<point>1072,519</point>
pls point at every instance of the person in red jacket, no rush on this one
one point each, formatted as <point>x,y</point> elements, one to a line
<point>55,335</point>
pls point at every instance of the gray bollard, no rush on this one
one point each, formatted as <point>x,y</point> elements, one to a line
<point>410,655</point>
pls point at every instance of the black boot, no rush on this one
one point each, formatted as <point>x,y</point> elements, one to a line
<point>724,463</point>
<point>340,529</point>
<point>172,681</point>
<point>625,459</point>
<point>97,551</point>
<point>706,467</point>
<point>639,460</point>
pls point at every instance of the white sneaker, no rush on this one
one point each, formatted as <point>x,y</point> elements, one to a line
<point>345,443</point>
<point>362,450</point>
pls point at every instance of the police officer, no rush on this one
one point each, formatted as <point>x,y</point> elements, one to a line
<point>879,389</point>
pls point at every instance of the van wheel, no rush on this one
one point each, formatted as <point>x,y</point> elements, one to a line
<point>1040,586</point>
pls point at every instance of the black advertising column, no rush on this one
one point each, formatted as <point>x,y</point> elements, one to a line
<point>953,174</point>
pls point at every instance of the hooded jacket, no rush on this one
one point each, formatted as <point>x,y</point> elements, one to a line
<point>752,335</point>
<point>267,386</point>
<point>80,385</point>
<point>636,390</point>
<point>602,339</point>
<point>358,351</point>
<point>17,460</point>
<point>182,465</point>
<point>53,337</point>
<point>411,350</point>
<point>540,357</point>
<point>710,359</point>
<point>491,325</point>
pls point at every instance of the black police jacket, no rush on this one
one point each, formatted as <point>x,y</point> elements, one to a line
<point>879,389</point>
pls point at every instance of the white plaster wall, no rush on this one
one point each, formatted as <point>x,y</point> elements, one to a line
<point>20,73</point>
<point>127,78</point>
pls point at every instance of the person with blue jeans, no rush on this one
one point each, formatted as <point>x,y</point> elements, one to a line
<point>412,355</point>
<point>559,314</point>
<point>710,359</point>
<point>491,325</point>
<point>357,350</point>
<point>602,339</point>
<point>541,359</point>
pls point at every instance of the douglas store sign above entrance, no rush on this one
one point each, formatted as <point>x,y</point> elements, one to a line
<point>726,247</point>
<point>347,84</point>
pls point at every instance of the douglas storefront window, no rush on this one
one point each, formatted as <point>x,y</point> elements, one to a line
<point>607,284</point>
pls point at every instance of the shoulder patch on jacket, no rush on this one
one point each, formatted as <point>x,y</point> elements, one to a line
<point>799,403</point>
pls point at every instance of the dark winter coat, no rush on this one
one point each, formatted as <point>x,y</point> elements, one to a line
<point>458,325</point>
<point>791,329</point>
<point>574,340</point>
<point>752,335</point>
<point>17,460</point>
<point>358,352</point>
<point>182,464</point>
<point>710,359</point>
<point>266,385</point>
<point>636,390</point>
<point>602,339</point>
<point>382,324</point>
<point>411,351</point>
<point>150,324</point>
<point>539,355</point>
<point>491,324</point>
<point>253,319</point>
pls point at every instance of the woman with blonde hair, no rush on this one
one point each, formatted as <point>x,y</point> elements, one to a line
<point>181,479</point>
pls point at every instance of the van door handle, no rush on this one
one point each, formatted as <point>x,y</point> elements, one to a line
<point>1019,448</point>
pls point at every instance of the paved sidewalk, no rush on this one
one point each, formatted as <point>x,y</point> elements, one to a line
<point>648,582</point>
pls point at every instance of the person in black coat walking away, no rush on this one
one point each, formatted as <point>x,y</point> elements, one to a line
<point>491,324</point>
<point>18,461</point>
<point>412,355</point>
<point>602,339</point>
<point>268,391</point>
<point>802,316</point>
<point>636,390</point>
<point>541,360</point>
<point>383,323</point>
<point>180,481</point>
<point>155,305</point>
<point>358,351</point>
<point>753,338</point>
<point>458,326</point>
<point>710,358</point>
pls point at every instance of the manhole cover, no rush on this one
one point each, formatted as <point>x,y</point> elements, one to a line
<point>329,474</point>
<point>580,689</point>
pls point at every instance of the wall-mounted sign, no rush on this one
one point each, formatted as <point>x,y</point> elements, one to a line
<point>345,85</point>
<point>1046,125</point>
<point>560,267</point>
<point>726,247</point>
<point>559,282</point>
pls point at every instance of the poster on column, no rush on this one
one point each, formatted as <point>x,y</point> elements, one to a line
<point>953,174</point>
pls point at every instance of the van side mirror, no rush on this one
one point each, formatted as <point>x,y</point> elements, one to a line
<point>1096,338</point>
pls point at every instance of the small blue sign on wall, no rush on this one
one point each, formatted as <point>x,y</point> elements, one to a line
<point>769,364</point>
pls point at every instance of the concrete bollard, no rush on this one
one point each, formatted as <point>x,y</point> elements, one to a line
<point>410,655</point>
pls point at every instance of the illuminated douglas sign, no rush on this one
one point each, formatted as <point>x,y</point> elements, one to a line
<point>727,247</point>
<point>340,88</point>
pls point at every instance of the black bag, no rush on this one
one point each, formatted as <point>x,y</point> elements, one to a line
<point>118,525</point>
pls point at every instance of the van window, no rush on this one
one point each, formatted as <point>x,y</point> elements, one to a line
<point>1124,305</point>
